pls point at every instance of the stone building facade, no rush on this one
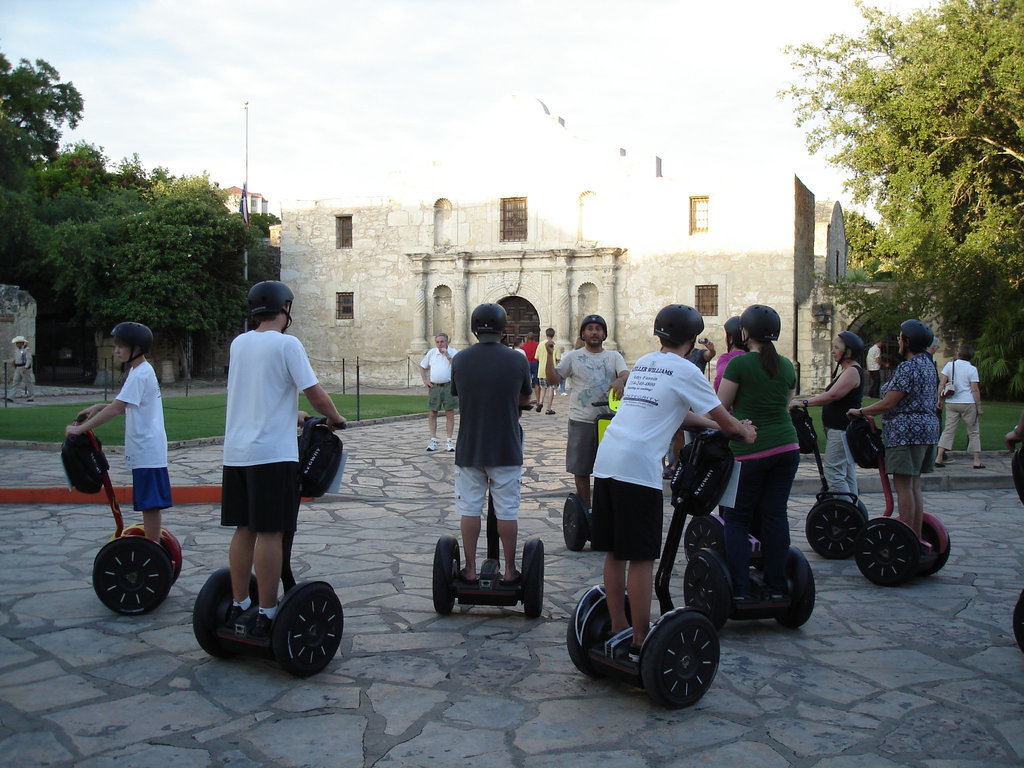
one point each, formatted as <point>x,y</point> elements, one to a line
<point>554,229</point>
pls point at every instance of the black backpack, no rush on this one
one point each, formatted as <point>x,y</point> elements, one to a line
<point>866,445</point>
<point>84,463</point>
<point>702,472</point>
<point>805,431</point>
<point>319,457</point>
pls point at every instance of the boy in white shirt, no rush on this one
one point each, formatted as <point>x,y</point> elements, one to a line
<point>145,440</point>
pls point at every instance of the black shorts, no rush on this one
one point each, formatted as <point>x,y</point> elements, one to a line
<point>262,497</point>
<point>627,519</point>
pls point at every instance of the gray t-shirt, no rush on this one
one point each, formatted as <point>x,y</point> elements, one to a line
<point>591,374</point>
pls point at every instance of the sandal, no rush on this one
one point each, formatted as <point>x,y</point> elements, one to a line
<point>979,466</point>
<point>940,463</point>
<point>516,577</point>
<point>461,576</point>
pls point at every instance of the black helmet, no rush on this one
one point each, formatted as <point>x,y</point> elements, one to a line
<point>678,324</point>
<point>594,319</point>
<point>917,334</point>
<point>488,320</point>
<point>735,332</point>
<point>134,335</point>
<point>854,344</point>
<point>269,296</point>
<point>762,323</point>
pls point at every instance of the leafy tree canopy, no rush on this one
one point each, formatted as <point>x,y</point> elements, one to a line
<point>34,106</point>
<point>927,115</point>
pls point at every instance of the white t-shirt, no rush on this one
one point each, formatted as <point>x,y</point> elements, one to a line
<point>661,389</point>
<point>590,373</point>
<point>145,441</point>
<point>961,374</point>
<point>266,372</point>
<point>438,366</point>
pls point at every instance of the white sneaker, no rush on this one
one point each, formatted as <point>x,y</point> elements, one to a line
<point>450,445</point>
<point>432,445</point>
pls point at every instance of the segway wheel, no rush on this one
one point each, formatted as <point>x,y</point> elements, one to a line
<point>706,532</point>
<point>307,628</point>
<point>934,532</point>
<point>211,610</point>
<point>832,527</point>
<point>575,528</point>
<point>801,590</point>
<point>131,575</point>
<point>680,658</point>
<point>533,578</point>
<point>589,625</point>
<point>167,541</point>
<point>708,587</point>
<point>887,552</point>
<point>446,565</point>
<point>1018,621</point>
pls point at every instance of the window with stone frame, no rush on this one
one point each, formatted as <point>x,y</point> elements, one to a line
<point>699,209</point>
<point>345,308</point>
<point>513,219</point>
<point>342,231</point>
<point>705,300</point>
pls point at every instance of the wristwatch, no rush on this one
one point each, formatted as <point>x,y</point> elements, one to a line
<point>805,403</point>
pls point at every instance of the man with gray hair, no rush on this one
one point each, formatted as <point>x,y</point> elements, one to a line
<point>436,372</point>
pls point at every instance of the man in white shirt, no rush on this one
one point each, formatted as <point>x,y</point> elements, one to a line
<point>436,372</point>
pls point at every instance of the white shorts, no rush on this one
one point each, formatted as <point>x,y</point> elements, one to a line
<point>472,484</point>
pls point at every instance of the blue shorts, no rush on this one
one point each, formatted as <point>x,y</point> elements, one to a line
<point>151,489</point>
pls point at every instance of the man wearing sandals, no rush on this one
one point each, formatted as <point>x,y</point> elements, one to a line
<point>492,383</point>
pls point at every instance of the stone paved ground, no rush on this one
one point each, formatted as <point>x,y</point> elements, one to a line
<point>926,674</point>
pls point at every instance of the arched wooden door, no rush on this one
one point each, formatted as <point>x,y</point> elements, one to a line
<point>522,318</point>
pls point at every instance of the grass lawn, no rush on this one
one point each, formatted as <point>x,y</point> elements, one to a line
<point>185,418</point>
<point>998,419</point>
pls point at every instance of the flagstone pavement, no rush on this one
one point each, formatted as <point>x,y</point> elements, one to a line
<point>926,674</point>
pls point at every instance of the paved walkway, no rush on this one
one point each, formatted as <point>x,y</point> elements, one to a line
<point>926,674</point>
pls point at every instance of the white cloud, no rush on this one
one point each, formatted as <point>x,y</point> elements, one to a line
<point>342,92</point>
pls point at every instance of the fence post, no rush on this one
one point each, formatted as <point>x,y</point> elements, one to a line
<point>6,398</point>
<point>343,375</point>
<point>357,388</point>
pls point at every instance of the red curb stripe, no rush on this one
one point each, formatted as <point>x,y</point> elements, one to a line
<point>193,494</point>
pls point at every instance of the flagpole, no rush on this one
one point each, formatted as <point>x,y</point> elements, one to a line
<point>246,187</point>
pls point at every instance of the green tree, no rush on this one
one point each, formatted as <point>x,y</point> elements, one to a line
<point>34,106</point>
<point>927,115</point>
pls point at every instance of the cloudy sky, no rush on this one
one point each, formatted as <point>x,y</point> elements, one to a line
<point>342,91</point>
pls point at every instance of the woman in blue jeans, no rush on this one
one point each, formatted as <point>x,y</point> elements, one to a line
<point>758,386</point>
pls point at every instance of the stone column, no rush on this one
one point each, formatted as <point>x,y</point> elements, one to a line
<point>462,336</point>
<point>564,325</point>
<point>420,271</point>
<point>606,299</point>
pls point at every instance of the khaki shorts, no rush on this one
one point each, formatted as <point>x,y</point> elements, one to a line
<point>910,459</point>
<point>440,398</point>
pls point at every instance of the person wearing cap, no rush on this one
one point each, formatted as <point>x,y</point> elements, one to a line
<point>844,392</point>
<point>23,376</point>
<point>592,371</point>
<point>145,440</point>
<point>910,422</point>
<point>758,386</point>
<point>665,389</point>
<point>260,483</point>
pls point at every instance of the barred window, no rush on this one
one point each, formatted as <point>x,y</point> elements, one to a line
<point>513,219</point>
<point>342,231</point>
<point>706,300</point>
<point>699,214</point>
<point>346,303</point>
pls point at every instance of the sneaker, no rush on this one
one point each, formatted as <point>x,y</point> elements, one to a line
<point>450,445</point>
<point>260,626</point>
<point>432,445</point>
<point>234,611</point>
<point>634,653</point>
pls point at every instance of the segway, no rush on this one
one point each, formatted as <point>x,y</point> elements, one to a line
<point>886,550</point>
<point>837,516</point>
<point>575,518</point>
<point>131,574</point>
<point>707,583</point>
<point>489,588</point>
<point>306,630</point>
<point>679,657</point>
<point>1017,466</point>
